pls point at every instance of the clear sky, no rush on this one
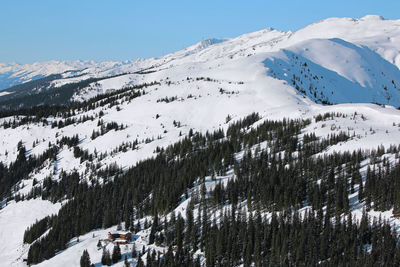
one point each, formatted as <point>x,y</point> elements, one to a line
<point>41,30</point>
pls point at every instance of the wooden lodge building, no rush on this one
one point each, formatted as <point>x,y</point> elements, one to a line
<point>120,238</point>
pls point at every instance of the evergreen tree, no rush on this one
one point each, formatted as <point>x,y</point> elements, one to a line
<point>116,254</point>
<point>105,258</point>
<point>134,253</point>
<point>153,230</point>
<point>85,259</point>
<point>126,263</point>
<point>189,224</point>
<point>140,262</point>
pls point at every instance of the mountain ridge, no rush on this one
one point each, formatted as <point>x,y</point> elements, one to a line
<point>216,53</point>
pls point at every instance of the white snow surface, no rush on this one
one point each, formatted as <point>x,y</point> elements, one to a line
<point>14,219</point>
<point>5,93</point>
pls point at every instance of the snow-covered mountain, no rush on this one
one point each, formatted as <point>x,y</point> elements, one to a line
<point>336,60</point>
<point>349,63</point>
<point>13,74</point>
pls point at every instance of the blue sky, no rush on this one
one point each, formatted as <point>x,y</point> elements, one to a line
<point>43,30</point>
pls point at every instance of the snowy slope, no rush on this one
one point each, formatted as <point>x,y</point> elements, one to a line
<point>337,71</point>
<point>13,73</point>
<point>14,219</point>
<point>206,110</point>
<point>352,60</point>
<point>358,59</point>
<point>362,53</point>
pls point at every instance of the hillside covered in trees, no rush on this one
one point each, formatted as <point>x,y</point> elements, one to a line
<point>269,149</point>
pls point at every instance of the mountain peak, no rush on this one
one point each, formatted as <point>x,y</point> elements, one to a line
<point>210,41</point>
<point>203,45</point>
<point>372,17</point>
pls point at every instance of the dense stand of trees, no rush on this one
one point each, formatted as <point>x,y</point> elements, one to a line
<point>285,239</point>
<point>105,128</point>
<point>382,187</point>
<point>69,111</point>
<point>25,97</point>
<point>21,168</point>
<point>27,87</point>
<point>36,230</point>
<point>280,179</point>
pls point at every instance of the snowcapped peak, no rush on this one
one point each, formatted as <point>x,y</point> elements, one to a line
<point>269,29</point>
<point>211,41</point>
<point>346,21</point>
<point>202,45</point>
<point>372,17</point>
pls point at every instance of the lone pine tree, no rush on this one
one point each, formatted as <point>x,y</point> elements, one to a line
<point>85,259</point>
